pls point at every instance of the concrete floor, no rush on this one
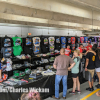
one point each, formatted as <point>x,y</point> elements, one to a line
<point>79,96</point>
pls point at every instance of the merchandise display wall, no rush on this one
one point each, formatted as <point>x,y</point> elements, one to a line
<point>37,54</point>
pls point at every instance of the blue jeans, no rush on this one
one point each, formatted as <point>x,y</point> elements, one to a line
<point>58,78</point>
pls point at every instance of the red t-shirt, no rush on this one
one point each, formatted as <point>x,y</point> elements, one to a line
<point>67,51</point>
<point>73,40</point>
<point>90,46</point>
<point>80,49</point>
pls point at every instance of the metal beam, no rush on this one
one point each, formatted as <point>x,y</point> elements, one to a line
<point>59,6</point>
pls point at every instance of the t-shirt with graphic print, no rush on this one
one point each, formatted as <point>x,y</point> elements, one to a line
<point>16,41</point>
<point>17,50</point>
<point>7,42</point>
<point>91,57</point>
<point>7,52</point>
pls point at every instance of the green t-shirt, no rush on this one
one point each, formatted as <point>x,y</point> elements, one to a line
<point>17,50</point>
<point>17,41</point>
<point>75,69</point>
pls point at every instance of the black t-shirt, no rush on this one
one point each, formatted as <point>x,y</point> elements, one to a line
<point>44,44</point>
<point>7,42</point>
<point>93,39</point>
<point>57,40</point>
<point>57,43</point>
<point>28,50</point>
<point>57,46</point>
<point>91,57</point>
<point>77,39</point>
<point>69,40</point>
<point>97,62</point>
<point>77,45</point>
<point>44,41</point>
<point>28,41</point>
<point>44,49</point>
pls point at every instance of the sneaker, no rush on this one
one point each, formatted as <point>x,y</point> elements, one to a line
<point>98,86</point>
<point>92,88</point>
<point>71,92</point>
<point>78,91</point>
<point>64,97</point>
<point>55,97</point>
<point>88,88</point>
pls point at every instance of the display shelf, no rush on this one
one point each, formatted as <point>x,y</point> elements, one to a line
<point>20,59</point>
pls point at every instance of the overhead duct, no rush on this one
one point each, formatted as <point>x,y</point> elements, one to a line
<point>91,33</point>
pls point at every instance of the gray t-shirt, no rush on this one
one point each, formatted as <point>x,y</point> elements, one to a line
<point>7,52</point>
<point>62,62</point>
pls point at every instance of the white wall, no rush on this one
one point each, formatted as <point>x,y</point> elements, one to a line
<point>23,31</point>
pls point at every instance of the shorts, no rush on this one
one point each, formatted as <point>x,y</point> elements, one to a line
<point>74,75</point>
<point>97,69</point>
<point>92,72</point>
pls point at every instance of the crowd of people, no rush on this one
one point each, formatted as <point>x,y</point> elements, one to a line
<point>63,61</point>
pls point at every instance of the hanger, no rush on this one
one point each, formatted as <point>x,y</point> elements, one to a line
<point>6,36</point>
<point>16,35</point>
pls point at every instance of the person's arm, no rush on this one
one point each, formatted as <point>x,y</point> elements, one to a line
<point>55,67</point>
<point>87,62</point>
<point>72,65</point>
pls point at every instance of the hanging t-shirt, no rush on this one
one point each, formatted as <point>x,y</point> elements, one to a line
<point>73,40</point>
<point>63,45</point>
<point>95,39</point>
<point>77,40</point>
<point>36,49</point>
<point>36,41</point>
<point>92,39</point>
<point>86,39</point>
<point>98,39</point>
<point>63,40</point>
<point>82,39</point>
<point>69,40</point>
<point>89,39</point>
<point>7,42</point>
<point>44,49</point>
<point>51,48</point>
<point>57,46</point>
<point>77,45</point>
<point>28,50</point>
<point>44,45</point>
<point>17,50</point>
<point>17,41</point>
<point>57,43</point>
<point>67,51</point>
<point>44,41</point>
<point>28,41</point>
<point>57,40</point>
<point>73,46</point>
<point>7,52</point>
<point>51,40</point>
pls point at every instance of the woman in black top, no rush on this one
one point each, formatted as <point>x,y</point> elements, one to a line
<point>97,65</point>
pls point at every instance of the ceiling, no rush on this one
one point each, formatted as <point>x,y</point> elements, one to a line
<point>70,14</point>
